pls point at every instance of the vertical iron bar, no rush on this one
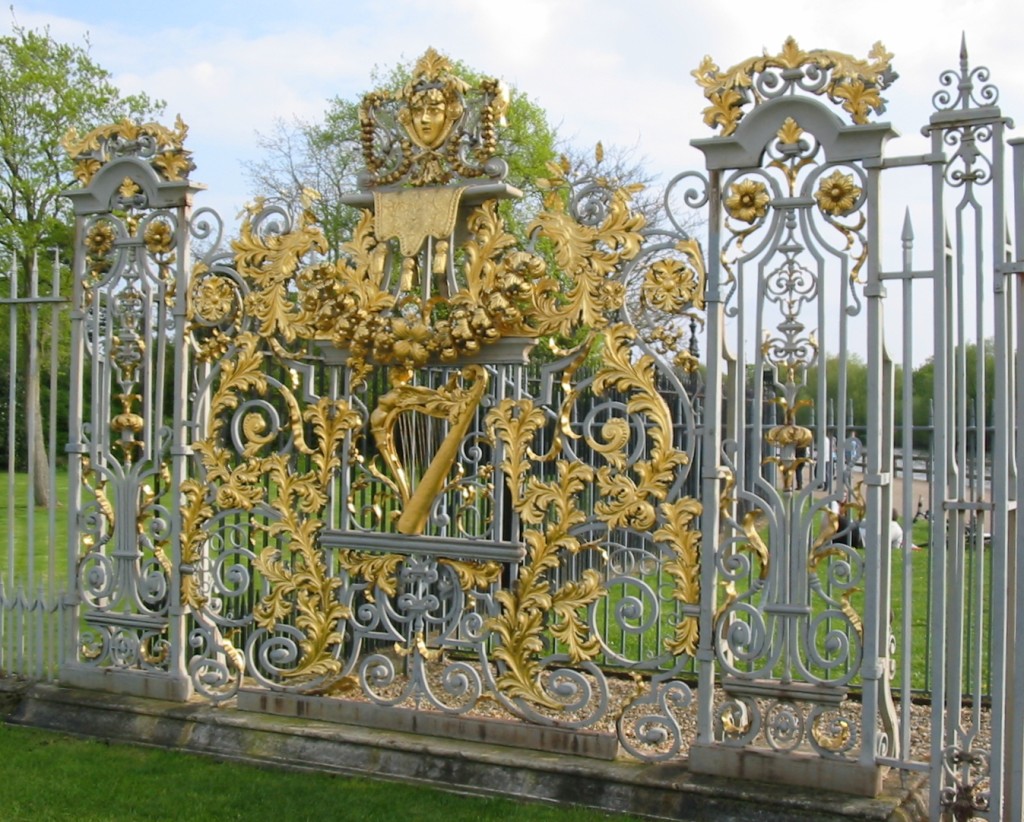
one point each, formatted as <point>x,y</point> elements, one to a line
<point>31,423</point>
<point>879,435</point>
<point>179,445</point>
<point>711,474</point>
<point>940,467</point>
<point>1014,804</point>
<point>998,490</point>
<point>906,557</point>
<point>12,416</point>
<point>75,447</point>
<point>51,582</point>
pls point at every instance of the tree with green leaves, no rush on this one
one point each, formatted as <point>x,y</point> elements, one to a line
<point>46,88</point>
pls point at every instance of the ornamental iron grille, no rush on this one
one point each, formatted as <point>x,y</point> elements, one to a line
<point>797,202</point>
<point>473,466</point>
<point>127,401</point>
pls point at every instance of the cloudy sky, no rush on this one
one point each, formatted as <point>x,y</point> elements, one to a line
<point>609,70</point>
<point>605,70</point>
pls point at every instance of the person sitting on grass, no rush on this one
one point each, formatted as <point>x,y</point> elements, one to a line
<point>896,533</point>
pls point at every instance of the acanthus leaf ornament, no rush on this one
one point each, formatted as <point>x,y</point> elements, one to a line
<point>162,147</point>
<point>852,83</point>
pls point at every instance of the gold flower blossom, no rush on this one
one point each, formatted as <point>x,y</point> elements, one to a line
<point>159,238</point>
<point>837,194</point>
<point>100,240</point>
<point>747,200</point>
<point>411,341</point>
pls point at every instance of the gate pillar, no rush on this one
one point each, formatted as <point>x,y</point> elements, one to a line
<point>797,604</point>
<point>127,442</point>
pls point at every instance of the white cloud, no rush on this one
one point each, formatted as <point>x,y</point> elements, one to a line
<point>603,69</point>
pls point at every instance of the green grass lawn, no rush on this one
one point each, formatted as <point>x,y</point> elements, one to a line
<point>49,777</point>
<point>917,581</point>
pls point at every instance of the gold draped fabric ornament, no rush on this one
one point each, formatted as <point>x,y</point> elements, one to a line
<point>412,215</point>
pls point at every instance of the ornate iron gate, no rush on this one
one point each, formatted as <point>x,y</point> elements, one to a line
<point>478,470</point>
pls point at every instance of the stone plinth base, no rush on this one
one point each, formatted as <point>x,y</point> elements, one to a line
<point>509,733</point>
<point>803,770</point>
<point>132,683</point>
<point>656,791</point>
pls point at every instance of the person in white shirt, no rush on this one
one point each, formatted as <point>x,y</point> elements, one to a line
<point>895,532</point>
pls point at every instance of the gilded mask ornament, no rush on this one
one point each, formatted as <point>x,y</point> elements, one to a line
<point>442,145</point>
<point>428,118</point>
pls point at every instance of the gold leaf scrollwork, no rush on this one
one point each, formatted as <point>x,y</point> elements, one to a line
<point>154,650</point>
<point>163,147</point>
<point>270,261</point>
<point>195,512</point>
<point>590,254</point>
<point>627,502</point>
<point>300,587</point>
<point>832,735</point>
<point>550,511</point>
<point>96,488</point>
<point>753,543</point>
<point>823,548</point>
<point>731,727</point>
<point>379,570</point>
<point>473,576</point>
<point>684,540</point>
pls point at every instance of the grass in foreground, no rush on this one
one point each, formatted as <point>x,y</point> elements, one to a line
<point>50,777</point>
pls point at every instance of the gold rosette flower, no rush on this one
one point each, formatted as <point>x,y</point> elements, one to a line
<point>99,241</point>
<point>159,238</point>
<point>411,339</point>
<point>837,194</point>
<point>214,299</point>
<point>747,200</point>
<point>670,286</point>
